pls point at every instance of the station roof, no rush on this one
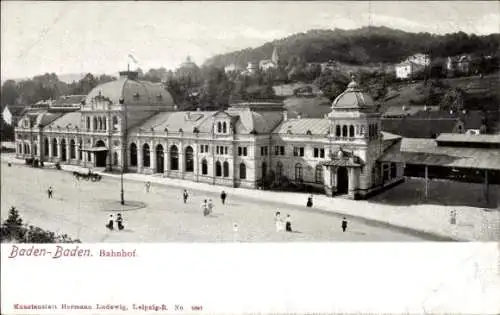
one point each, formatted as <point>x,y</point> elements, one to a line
<point>427,152</point>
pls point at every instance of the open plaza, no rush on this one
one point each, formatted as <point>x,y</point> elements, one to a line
<point>80,209</point>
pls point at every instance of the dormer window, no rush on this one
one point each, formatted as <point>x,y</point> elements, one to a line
<point>121,101</point>
<point>309,133</point>
<point>224,127</point>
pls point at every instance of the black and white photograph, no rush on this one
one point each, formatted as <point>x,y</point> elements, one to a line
<point>152,122</point>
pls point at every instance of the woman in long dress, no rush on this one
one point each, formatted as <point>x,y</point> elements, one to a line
<point>119,222</point>
<point>204,208</point>
<point>288,223</point>
<point>110,222</point>
<point>210,206</point>
<point>279,222</point>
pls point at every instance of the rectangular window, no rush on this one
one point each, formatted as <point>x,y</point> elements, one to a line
<point>217,149</point>
<point>206,148</point>
<point>225,150</point>
<point>282,150</point>
<point>245,151</point>
<point>239,151</point>
<point>301,151</point>
<point>201,148</point>
<point>295,151</point>
<point>276,150</point>
<point>321,153</point>
<point>316,152</point>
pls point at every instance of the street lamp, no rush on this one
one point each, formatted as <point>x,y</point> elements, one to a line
<point>121,182</point>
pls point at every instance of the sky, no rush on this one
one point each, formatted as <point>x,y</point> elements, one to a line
<point>97,37</point>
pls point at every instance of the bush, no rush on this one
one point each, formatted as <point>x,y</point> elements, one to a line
<point>13,229</point>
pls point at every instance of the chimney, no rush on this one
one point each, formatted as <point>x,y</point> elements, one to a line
<point>285,115</point>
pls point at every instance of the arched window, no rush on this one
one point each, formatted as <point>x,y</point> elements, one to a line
<point>54,147</point>
<point>279,170</point>
<point>337,131</point>
<point>264,169</point>
<point>174,158</point>
<point>19,148</point>
<point>46,146</point>
<point>224,127</point>
<point>318,174</point>
<point>243,171</point>
<point>362,130</point>
<point>88,123</point>
<point>298,171</point>
<point>204,167</point>
<point>115,123</point>
<point>218,169</point>
<point>26,148</point>
<point>133,154</point>
<point>344,131</point>
<point>104,123</point>
<point>394,170</point>
<point>351,131</point>
<point>72,150</point>
<point>115,159</point>
<point>219,127</point>
<point>95,123</point>
<point>35,149</point>
<point>146,160</point>
<point>225,167</point>
<point>80,149</point>
<point>189,159</point>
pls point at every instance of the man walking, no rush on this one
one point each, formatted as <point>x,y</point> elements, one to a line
<point>148,186</point>
<point>223,197</point>
<point>185,196</point>
<point>344,224</point>
<point>50,192</point>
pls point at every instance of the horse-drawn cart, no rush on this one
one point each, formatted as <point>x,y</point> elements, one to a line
<point>87,176</point>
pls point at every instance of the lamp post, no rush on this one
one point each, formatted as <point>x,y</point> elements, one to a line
<point>122,197</point>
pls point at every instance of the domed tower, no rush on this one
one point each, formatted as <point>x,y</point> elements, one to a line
<point>355,140</point>
<point>111,108</point>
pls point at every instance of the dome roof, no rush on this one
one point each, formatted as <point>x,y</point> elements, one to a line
<point>353,97</point>
<point>188,64</point>
<point>131,92</point>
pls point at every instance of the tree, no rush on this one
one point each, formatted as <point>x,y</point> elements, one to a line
<point>12,228</point>
<point>332,83</point>
<point>9,94</point>
<point>453,100</point>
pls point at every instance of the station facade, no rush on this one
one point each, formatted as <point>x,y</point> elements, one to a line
<point>135,126</point>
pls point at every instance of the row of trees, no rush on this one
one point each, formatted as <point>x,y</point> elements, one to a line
<point>364,45</point>
<point>47,86</point>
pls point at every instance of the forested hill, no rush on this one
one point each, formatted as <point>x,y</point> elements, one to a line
<point>363,46</point>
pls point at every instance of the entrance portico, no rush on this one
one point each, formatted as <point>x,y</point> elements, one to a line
<point>341,175</point>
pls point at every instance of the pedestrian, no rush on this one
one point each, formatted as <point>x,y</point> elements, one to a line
<point>310,201</point>
<point>279,222</point>
<point>185,196</point>
<point>344,224</point>
<point>50,192</point>
<point>288,223</point>
<point>210,206</point>
<point>110,222</point>
<point>223,196</point>
<point>148,186</point>
<point>204,207</point>
<point>119,222</point>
